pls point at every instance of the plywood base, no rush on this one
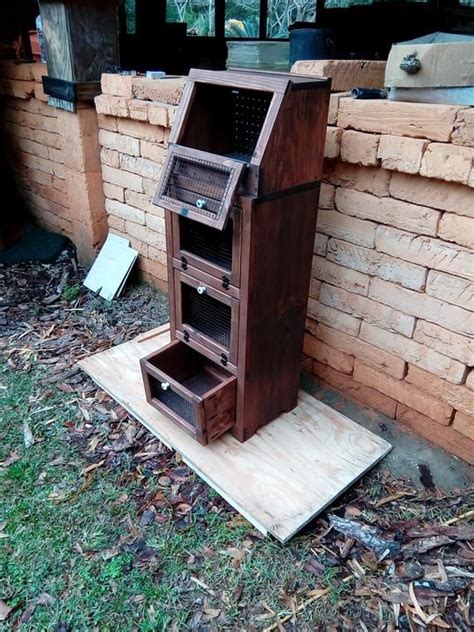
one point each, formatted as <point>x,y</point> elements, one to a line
<point>282,477</point>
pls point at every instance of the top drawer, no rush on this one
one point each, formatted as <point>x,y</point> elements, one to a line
<point>199,185</point>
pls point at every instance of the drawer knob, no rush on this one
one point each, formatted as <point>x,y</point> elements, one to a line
<point>201,289</point>
<point>165,385</point>
<point>200,203</point>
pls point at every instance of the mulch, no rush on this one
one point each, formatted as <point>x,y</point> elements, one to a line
<point>407,569</point>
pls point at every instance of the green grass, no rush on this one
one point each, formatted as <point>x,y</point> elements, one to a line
<point>73,537</point>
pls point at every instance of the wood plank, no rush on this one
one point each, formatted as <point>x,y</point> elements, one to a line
<point>282,477</point>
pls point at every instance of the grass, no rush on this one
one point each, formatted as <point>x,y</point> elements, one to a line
<point>73,537</point>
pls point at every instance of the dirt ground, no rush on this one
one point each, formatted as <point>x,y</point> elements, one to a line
<point>102,527</point>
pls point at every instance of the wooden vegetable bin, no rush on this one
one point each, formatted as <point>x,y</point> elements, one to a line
<point>240,189</point>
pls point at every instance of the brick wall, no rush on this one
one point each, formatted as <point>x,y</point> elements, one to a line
<point>391,308</point>
<point>135,117</point>
<point>54,157</point>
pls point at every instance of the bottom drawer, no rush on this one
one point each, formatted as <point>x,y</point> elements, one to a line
<point>190,390</point>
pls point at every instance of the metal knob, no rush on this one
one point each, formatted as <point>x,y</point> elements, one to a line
<point>165,385</point>
<point>201,289</point>
<point>200,203</point>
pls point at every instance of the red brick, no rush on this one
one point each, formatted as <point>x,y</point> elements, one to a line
<point>107,122</point>
<point>414,352</point>
<point>138,110</point>
<point>142,131</point>
<point>399,153</point>
<point>326,196</point>
<point>470,384</point>
<point>451,289</point>
<point>119,142</point>
<point>360,148</point>
<point>464,128</point>
<point>367,179</point>
<point>333,317</point>
<point>446,438</point>
<point>377,358</point>
<point>416,120</point>
<point>446,342</point>
<point>464,424</point>
<point>116,85</point>
<point>112,106</point>
<point>352,229</point>
<point>122,178</point>
<point>332,147</point>
<point>458,229</point>
<point>153,151</point>
<point>124,211</point>
<point>144,234</point>
<point>439,194</point>
<point>340,276</point>
<point>404,393</point>
<point>460,396</point>
<point>320,244</point>
<point>447,162</point>
<point>365,308</point>
<point>422,306</point>
<point>114,192</point>
<point>328,355</point>
<point>417,219</point>
<point>426,251</point>
<point>376,264</point>
<point>361,393</point>
<point>140,166</point>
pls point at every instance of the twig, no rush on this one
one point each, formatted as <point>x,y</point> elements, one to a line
<point>467,514</point>
<point>302,606</point>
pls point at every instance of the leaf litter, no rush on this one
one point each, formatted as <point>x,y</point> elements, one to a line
<point>395,558</point>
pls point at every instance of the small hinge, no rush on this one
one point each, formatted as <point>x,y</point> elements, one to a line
<point>225,282</point>
<point>186,335</point>
<point>184,263</point>
<point>223,359</point>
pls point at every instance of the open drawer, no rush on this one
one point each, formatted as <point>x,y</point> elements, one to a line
<point>189,389</point>
<point>207,319</point>
<point>199,185</point>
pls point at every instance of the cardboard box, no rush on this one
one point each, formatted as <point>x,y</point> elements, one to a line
<point>445,60</point>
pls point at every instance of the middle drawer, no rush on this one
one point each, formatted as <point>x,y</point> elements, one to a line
<point>207,319</point>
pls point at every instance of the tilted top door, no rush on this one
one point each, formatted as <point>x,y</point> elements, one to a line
<point>199,185</point>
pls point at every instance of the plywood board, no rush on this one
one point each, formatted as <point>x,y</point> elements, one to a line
<point>280,478</point>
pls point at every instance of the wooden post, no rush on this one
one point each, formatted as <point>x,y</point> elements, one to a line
<point>82,42</point>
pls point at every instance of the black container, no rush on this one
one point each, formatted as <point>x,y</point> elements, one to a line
<point>310,42</point>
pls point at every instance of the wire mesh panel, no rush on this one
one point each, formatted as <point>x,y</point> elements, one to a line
<point>206,315</point>
<point>195,186</point>
<point>176,403</point>
<point>249,111</point>
<point>208,243</point>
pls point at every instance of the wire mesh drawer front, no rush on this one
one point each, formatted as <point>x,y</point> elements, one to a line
<point>199,185</point>
<point>191,390</point>
<point>205,242</point>
<point>207,315</point>
<point>174,402</point>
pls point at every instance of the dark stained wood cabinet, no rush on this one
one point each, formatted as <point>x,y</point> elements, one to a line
<point>240,188</point>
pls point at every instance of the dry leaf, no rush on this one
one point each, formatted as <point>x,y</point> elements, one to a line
<point>4,610</point>
<point>27,435</point>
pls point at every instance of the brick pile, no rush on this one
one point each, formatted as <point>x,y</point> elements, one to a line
<point>135,116</point>
<point>54,158</point>
<point>391,308</point>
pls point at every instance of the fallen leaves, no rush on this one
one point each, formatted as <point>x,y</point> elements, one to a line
<point>5,610</point>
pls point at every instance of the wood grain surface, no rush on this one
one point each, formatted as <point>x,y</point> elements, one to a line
<point>282,477</point>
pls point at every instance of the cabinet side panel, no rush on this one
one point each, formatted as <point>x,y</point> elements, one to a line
<point>294,152</point>
<point>277,252</point>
